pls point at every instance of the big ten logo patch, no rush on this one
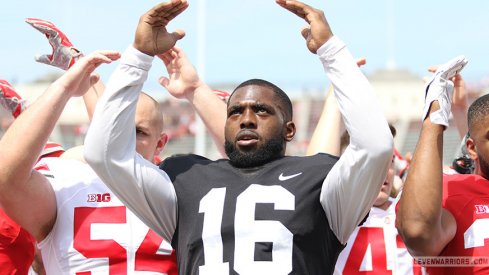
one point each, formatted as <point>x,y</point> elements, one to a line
<point>481,209</point>
<point>99,197</point>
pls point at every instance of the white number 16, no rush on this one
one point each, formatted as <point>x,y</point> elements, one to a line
<point>248,231</point>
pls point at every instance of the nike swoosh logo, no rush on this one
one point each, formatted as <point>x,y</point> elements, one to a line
<point>282,177</point>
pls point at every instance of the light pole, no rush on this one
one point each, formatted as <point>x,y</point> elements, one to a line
<point>200,132</point>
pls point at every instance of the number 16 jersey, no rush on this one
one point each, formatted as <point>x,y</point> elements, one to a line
<point>267,220</point>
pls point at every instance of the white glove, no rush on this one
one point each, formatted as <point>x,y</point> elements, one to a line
<point>440,88</point>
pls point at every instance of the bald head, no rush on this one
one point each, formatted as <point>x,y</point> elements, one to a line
<point>149,108</point>
<point>150,138</point>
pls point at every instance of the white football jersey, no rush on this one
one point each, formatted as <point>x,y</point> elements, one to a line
<point>94,232</point>
<point>376,247</point>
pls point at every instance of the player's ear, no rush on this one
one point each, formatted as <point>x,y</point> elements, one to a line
<point>161,143</point>
<point>471,148</point>
<point>289,131</point>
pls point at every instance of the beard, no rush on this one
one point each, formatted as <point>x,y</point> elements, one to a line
<point>271,150</point>
<point>484,166</point>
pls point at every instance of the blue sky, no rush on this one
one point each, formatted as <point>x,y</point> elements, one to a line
<point>257,38</point>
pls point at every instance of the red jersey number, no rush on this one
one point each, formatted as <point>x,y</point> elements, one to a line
<point>477,234</point>
<point>373,236</point>
<point>146,258</point>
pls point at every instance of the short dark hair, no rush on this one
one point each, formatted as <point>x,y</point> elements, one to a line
<point>282,96</point>
<point>478,111</point>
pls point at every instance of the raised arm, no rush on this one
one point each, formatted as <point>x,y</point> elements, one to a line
<point>425,227</point>
<point>26,195</point>
<point>110,144</point>
<point>460,105</point>
<point>184,82</point>
<point>354,182</point>
<point>327,135</point>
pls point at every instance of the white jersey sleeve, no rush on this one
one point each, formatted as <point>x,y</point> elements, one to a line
<point>353,183</point>
<point>110,148</point>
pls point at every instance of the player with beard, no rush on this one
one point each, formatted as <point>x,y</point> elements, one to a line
<point>273,147</point>
<point>447,215</point>
<point>260,212</point>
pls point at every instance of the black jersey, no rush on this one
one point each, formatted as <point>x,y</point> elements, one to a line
<point>265,220</point>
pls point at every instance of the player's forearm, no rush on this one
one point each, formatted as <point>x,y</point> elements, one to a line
<point>212,111</point>
<point>110,144</point>
<point>361,170</point>
<point>112,129</point>
<point>110,148</point>
<point>327,135</point>
<point>91,97</point>
<point>26,195</point>
<point>22,144</point>
<point>460,119</point>
<point>420,207</point>
<point>357,103</point>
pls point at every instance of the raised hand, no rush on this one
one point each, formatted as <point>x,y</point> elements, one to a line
<point>182,77</point>
<point>460,104</point>
<point>361,61</point>
<point>459,99</point>
<point>80,76</point>
<point>318,31</point>
<point>64,55</point>
<point>440,88</point>
<point>10,100</point>
<point>152,38</point>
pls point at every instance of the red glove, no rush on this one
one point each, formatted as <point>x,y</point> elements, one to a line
<point>64,55</point>
<point>10,100</point>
